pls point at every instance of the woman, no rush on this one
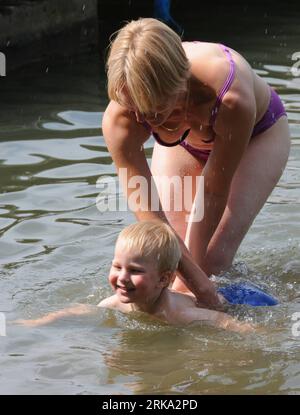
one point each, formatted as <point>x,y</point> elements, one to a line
<point>211,115</point>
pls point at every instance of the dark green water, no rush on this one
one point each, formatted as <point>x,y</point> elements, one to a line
<point>56,248</point>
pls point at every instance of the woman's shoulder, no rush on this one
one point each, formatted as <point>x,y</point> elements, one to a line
<point>210,64</point>
<point>197,47</point>
<point>206,53</point>
<point>118,122</point>
<point>115,114</point>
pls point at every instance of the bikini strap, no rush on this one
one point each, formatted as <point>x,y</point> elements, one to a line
<point>225,87</point>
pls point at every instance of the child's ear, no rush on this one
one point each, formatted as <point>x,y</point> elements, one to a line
<point>165,278</point>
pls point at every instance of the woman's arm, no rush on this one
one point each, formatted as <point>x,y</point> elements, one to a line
<point>125,138</point>
<point>196,280</point>
<point>233,129</point>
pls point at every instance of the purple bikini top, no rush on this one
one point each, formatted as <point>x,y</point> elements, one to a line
<point>215,109</point>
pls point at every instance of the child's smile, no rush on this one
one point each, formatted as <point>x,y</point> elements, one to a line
<point>134,279</point>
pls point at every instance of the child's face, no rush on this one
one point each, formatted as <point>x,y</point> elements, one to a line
<point>133,278</point>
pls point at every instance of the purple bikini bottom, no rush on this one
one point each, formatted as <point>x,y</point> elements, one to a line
<point>274,112</point>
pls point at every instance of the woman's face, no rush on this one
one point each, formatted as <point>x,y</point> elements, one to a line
<point>170,114</point>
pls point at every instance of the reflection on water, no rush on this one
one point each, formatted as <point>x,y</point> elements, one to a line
<point>56,248</point>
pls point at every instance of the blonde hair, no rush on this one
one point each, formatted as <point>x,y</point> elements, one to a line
<point>153,239</point>
<point>148,60</point>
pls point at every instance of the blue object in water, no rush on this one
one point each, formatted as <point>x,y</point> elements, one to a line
<point>246,293</point>
<point>162,12</point>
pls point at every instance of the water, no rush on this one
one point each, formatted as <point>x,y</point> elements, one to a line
<point>56,248</point>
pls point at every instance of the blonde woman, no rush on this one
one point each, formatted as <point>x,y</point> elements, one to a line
<point>211,115</point>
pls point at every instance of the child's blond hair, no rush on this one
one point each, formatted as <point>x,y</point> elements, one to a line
<point>147,58</point>
<point>153,239</point>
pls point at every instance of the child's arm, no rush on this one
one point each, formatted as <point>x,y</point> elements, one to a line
<point>215,318</point>
<point>77,310</point>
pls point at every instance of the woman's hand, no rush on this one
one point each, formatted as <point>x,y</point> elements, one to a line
<point>194,279</point>
<point>212,299</point>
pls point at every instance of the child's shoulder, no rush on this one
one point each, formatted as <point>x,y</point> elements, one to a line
<point>177,303</point>
<point>114,303</point>
<point>183,299</point>
<point>109,302</point>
